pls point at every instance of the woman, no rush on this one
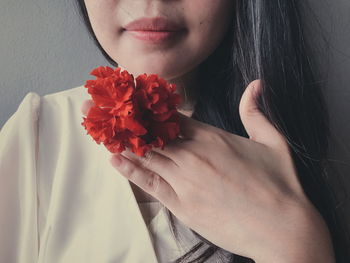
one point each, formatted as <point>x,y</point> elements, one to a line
<point>259,193</point>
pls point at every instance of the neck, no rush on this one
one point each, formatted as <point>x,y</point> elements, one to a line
<point>185,86</point>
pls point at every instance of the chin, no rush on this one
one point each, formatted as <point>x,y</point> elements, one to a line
<point>161,70</point>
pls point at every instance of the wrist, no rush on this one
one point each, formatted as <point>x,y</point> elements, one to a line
<point>306,239</point>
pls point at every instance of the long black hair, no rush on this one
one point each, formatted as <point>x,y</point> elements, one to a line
<point>266,40</point>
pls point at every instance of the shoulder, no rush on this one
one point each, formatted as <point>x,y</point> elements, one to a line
<point>33,103</point>
<point>75,94</point>
<point>50,113</point>
<point>60,112</point>
<point>70,99</point>
<point>56,107</point>
<point>53,114</point>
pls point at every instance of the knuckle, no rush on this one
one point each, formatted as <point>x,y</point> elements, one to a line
<point>216,137</point>
<point>146,159</point>
<point>191,157</point>
<point>152,182</point>
<point>183,153</point>
<point>195,158</point>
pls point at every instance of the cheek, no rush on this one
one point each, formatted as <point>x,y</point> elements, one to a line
<point>102,18</point>
<point>206,20</point>
<point>209,21</point>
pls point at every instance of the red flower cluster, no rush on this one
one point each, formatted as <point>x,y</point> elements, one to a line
<point>127,115</point>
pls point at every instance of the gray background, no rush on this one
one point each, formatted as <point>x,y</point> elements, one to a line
<point>45,48</point>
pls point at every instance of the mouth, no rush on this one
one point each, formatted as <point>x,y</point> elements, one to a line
<point>153,24</point>
<point>154,36</point>
<point>154,30</point>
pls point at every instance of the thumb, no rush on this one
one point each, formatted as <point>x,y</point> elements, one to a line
<point>258,127</point>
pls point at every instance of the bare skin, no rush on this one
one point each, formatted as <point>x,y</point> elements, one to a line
<point>241,194</point>
<point>140,195</point>
<point>212,19</point>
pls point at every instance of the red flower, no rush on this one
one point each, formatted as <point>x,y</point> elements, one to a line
<point>138,116</point>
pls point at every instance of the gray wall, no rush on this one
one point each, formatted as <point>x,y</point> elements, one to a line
<point>45,48</point>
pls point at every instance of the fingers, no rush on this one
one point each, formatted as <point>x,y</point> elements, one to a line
<point>258,127</point>
<point>147,180</point>
<point>176,150</point>
<point>156,162</point>
<point>87,104</point>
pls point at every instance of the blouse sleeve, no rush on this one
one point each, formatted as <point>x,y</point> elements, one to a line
<point>18,187</point>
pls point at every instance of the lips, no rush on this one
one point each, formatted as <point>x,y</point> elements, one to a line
<point>155,30</point>
<point>153,24</point>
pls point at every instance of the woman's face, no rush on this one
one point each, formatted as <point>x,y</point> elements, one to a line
<point>202,25</point>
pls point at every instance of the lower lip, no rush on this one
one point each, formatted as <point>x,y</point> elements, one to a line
<point>154,36</point>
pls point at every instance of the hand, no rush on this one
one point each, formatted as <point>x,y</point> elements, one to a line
<point>241,194</point>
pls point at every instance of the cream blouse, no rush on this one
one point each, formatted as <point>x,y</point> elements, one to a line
<point>163,239</point>
<point>62,201</point>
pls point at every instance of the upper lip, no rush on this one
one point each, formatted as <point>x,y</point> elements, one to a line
<point>153,24</point>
